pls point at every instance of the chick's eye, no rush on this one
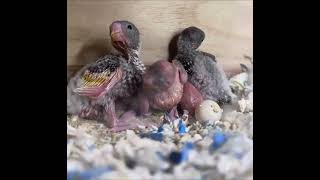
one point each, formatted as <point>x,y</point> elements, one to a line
<point>129,27</point>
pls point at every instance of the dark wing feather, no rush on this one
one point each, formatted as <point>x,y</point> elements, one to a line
<point>100,77</point>
<point>210,55</point>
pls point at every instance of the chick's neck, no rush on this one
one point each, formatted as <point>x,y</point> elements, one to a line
<point>187,56</point>
<point>133,58</point>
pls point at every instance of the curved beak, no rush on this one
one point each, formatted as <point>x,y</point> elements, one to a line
<point>117,37</point>
<point>116,32</point>
<point>113,34</point>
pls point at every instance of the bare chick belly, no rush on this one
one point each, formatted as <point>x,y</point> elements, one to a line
<point>167,100</point>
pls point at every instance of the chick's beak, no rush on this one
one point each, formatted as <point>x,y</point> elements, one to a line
<point>116,32</point>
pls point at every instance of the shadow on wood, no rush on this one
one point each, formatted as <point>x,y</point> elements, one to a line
<point>89,52</point>
<point>92,50</point>
<point>228,25</point>
<point>172,48</point>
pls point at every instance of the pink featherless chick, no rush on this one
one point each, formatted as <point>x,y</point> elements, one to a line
<point>163,87</point>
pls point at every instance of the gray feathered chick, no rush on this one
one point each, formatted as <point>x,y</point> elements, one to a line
<point>202,68</point>
<point>95,88</point>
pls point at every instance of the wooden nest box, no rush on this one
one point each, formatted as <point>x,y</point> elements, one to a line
<point>228,26</point>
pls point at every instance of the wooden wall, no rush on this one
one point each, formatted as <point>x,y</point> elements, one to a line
<point>227,24</point>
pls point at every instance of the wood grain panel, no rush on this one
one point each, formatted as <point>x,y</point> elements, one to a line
<point>228,26</point>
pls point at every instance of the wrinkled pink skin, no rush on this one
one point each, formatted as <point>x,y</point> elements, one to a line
<point>145,107</point>
<point>113,122</point>
<point>123,123</point>
<point>162,95</point>
<point>191,98</point>
<point>116,124</point>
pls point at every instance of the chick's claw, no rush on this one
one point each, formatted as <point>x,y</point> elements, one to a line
<point>127,121</point>
<point>88,113</point>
